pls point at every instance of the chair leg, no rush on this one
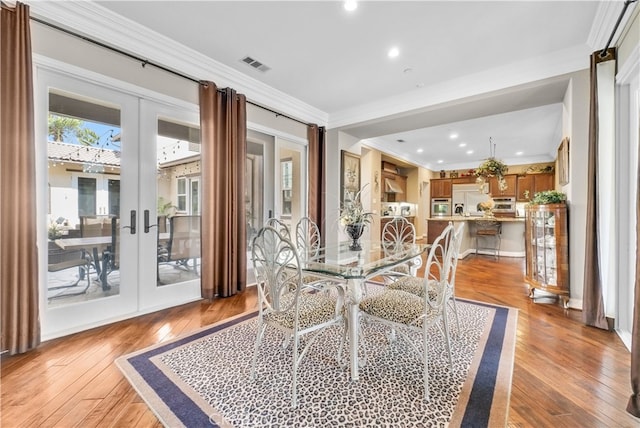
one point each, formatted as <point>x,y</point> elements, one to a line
<point>294,375</point>
<point>256,349</point>
<point>447,337</point>
<point>454,306</point>
<point>425,363</point>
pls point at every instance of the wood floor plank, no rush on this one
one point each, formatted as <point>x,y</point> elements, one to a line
<point>565,374</point>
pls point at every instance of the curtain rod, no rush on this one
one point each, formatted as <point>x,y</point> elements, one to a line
<point>146,62</point>
<point>603,53</point>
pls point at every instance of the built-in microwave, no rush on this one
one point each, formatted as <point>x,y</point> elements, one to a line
<point>441,207</point>
<point>504,205</point>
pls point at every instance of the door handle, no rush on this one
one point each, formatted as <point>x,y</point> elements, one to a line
<point>132,224</point>
<point>146,222</point>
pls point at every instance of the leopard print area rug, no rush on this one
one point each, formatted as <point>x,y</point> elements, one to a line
<point>203,378</point>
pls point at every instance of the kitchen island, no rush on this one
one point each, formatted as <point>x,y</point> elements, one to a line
<point>512,238</point>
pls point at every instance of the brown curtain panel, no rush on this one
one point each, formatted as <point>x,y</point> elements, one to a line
<point>18,250</point>
<point>633,406</point>
<point>593,312</point>
<point>223,130</point>
<point>316,136</point>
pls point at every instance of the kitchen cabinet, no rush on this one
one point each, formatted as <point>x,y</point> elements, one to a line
<point>435,229</point>
<point>510,179</point>
<point>547,250</point>
<point>533,183</point>
<point>441,188</point>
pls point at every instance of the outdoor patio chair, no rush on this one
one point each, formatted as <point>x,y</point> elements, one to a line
<point>183,245</point>
<point>60,260</point>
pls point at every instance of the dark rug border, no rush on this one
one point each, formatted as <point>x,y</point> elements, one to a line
<point>189,413</point>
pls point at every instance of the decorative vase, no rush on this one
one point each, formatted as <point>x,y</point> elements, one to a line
<point>355,232</point>
<point>488,214</point>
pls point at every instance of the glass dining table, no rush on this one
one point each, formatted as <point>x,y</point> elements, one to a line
<point>352,269</point>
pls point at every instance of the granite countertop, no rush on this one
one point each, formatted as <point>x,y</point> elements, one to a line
<point>474,218</point>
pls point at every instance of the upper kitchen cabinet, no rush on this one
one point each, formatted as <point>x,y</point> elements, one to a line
<point>510,179</point>
<point>441,188</point>
<point>530,184</point>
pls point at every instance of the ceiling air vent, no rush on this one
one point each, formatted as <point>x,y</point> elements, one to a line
<point>255,64</point>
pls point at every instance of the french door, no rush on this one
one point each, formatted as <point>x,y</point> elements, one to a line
<point>109,166</point>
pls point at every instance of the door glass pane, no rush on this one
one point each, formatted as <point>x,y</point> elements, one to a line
<point>83,151</point>
<point>178,207</point>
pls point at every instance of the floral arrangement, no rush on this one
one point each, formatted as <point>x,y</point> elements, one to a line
<point>548,197</point>
<point>487,205</point>
<point>352,210</point>
<point>492,167</point>
<point>54,231</point>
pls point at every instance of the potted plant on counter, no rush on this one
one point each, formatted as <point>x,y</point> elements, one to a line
<point>548,197</point>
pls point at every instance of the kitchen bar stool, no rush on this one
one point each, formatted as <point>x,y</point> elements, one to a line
<point>488,236</point>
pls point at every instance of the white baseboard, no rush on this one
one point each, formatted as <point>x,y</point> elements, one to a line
<point>488,253</point>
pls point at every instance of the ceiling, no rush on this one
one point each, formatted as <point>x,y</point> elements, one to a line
<point>489,71</point>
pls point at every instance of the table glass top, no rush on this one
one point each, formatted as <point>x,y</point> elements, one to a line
<point>339,260</point>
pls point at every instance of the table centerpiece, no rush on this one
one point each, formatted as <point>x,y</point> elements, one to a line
<point>354,218</point>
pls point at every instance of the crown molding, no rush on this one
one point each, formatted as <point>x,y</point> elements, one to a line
<point>631,68</point>
<point>96,22</point>
<point>606,16</point>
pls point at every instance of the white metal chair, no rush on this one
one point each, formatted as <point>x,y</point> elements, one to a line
<point>406,312</point>
<point>280,226</point>
<point>451,289</point>
<point>307,238</point>
<point>284,303</point>
<point>395,234</point>
<point>308,244</point>
<point>414,285</point>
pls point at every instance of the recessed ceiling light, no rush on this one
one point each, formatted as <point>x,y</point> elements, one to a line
<point>350,5</point>
<point>420,150</point>
<point>469,152</point>
<point>440,161</point>
<point>462,145</point>
<point>400,140</point>
<point>420,85</point>
<point>453,135</point>
<point>393,52</point>
<point>519,153</point>
<point>407,70</point>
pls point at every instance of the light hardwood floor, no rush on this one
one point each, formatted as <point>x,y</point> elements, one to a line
<point>565,374</point>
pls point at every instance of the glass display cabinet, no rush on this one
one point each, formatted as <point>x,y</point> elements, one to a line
<point>547,250</point>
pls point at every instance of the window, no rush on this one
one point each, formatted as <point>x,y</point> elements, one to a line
<point>182,194</point>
